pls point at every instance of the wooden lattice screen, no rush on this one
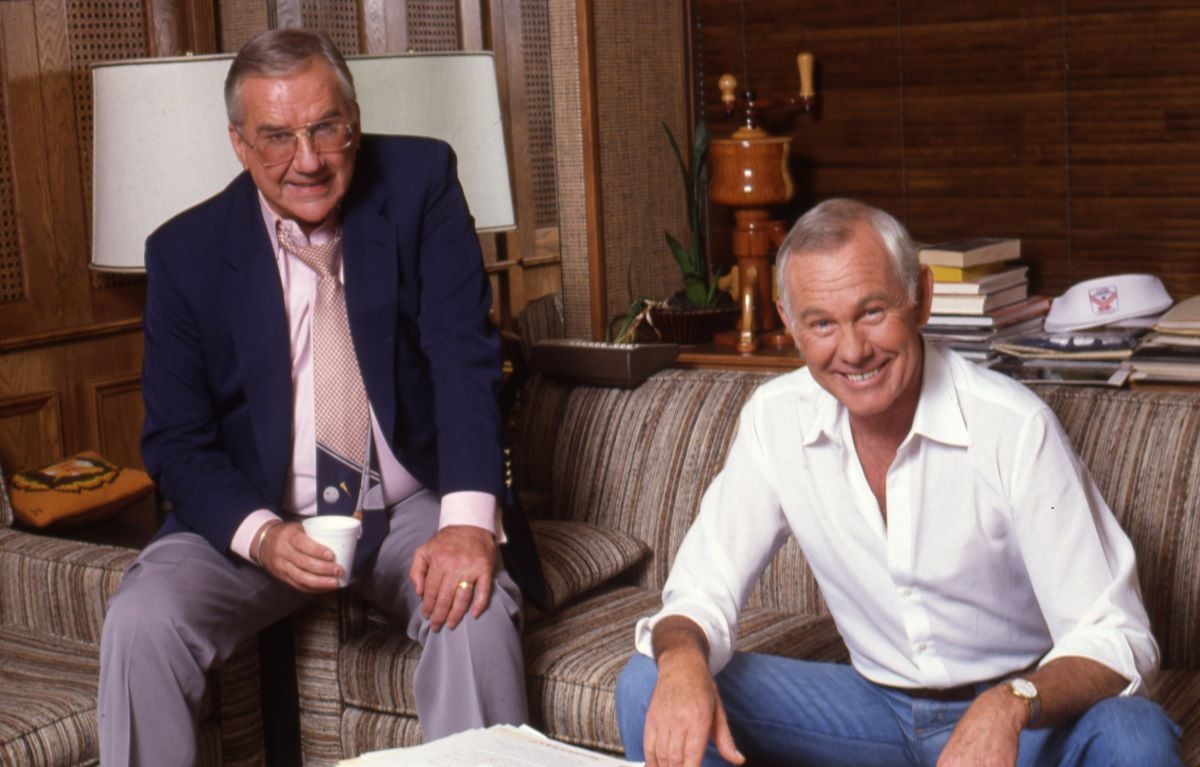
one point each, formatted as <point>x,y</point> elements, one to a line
<point>432,25</point>
<point>99,30</point>
<point>12,276</point>
<point>336,18</point>
<point>539,98</point>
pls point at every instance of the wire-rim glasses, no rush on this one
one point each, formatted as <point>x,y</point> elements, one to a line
<point>277,147</point>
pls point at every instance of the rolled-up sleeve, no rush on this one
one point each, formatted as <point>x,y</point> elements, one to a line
<point>739,528</point>
<point>1080,563</point>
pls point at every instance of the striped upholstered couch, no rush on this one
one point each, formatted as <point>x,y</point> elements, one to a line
<point>53,593</point>
<point>638,461</point>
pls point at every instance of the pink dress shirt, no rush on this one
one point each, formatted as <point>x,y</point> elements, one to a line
<point>300,496</point>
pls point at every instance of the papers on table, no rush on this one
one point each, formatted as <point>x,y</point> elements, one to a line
<point>497,746</point>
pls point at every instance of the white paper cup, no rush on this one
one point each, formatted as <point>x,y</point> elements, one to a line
<point>340,534</point>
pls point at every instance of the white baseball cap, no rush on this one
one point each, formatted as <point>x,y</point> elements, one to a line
<point>1107,301</point>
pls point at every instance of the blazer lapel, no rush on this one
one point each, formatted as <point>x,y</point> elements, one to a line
<point>370,268</point>
<point>253,303</point>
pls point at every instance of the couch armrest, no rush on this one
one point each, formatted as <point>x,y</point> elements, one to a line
<point>58,587</point>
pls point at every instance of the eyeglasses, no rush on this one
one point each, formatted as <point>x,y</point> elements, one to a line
<point>279,146</point>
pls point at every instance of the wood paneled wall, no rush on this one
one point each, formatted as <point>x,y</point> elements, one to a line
<point>70,339</point>
<point>1074,126</point>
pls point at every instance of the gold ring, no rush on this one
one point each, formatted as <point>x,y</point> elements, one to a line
<point>464,585</point>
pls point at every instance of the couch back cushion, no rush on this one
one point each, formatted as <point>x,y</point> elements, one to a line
<point>1143,449</point>
<point>639,460</point>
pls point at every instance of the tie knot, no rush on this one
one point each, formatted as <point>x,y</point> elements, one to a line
<point>320,258</point>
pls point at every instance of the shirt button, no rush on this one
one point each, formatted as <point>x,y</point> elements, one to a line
<point>330,494</point>
<point>922,647</point>
<point>907,592</point>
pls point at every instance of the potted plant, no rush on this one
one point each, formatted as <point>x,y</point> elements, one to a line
<point>694,314</point>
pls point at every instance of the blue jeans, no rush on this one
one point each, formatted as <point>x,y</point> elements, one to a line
<point>792,712</point>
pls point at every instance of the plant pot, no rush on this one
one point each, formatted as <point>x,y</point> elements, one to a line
<point>692,326</point>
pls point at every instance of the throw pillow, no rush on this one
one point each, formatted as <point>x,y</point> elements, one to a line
<point>578,556</point>
<point>81,489</point>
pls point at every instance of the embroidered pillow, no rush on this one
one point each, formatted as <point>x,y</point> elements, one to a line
<point>81,489</point>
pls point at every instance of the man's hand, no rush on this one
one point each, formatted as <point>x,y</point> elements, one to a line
<point>990,731</point>
<point>297,560</point>
<point>988,734</point>
<point>685,709</point>
<point>456,554</point>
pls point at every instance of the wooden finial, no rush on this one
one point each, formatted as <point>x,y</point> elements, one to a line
<point>804,63</point>
<point>728,86</point>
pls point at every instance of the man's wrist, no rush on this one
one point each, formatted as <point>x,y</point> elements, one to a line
<point>261,538</point>
<point>1026,691</point>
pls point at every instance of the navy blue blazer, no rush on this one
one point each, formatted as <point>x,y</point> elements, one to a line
<point>217,371</point>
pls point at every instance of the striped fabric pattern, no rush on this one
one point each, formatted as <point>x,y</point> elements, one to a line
<point>53,594</point>
<point>577,556</point>
<point>638,460</point>
<point>1143,449</point>
<point>40,722</point>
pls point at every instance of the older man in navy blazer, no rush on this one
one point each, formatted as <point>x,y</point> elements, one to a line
<point>229,431</point>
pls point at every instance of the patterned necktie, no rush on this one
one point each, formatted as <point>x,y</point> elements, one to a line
<point>339,397</point>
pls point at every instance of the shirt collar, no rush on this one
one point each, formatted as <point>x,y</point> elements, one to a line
<point>939,412</point>
<point>272,220</point>
<point>938,417</point>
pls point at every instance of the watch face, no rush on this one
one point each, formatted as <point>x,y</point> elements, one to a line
<point>1023,688</point>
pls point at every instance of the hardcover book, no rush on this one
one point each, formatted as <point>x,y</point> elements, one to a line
<point>1034,306</point>
<point>955,274</point>
<point>978,304</point>
<point>987,284</point>
<point>966,253</point>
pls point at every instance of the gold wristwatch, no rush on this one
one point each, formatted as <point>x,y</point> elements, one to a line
<point>1027,691</point>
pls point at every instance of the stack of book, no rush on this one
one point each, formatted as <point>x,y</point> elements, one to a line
<point>1172,351</point>
<point>980,295</point>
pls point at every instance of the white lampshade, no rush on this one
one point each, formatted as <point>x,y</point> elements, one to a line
<point>161,143</point>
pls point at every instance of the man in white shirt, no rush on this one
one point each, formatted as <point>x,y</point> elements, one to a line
<point>986,594</point>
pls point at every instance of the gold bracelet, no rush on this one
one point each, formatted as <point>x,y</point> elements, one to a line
<point>256,551</point>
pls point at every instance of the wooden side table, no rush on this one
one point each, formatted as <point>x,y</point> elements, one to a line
<point>712,357</point>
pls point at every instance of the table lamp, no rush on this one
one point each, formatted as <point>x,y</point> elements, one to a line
<point>161,143</point>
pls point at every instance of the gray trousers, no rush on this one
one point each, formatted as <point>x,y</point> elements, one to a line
<point>182,608</point>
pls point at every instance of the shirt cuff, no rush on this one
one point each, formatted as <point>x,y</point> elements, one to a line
<point>720,648</point>
<point>244,536</point>
<point>471,507</point>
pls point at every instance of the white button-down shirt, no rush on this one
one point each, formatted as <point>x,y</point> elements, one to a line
<point>998,551</point>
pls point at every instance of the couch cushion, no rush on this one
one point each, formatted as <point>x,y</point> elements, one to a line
<point>48,709</point>
<point>577,557</point>
<point>1179,694</point>
<point>636,460</point>
<point>575,655</point>
<point>1141,449</point>
<point>33,571</point>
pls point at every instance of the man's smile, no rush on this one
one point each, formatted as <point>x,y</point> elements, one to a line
<point>865,375</point>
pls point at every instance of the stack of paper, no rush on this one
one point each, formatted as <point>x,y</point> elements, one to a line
<point>1172,352</point>
<point>497,746</point>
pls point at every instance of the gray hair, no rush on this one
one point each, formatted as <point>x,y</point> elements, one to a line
<point>280,52</point>
<point>830,225</point>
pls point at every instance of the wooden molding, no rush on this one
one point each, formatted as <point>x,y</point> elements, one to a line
<point>30,430</point>
<point>590,120</point>
<point>46,338</point>
<point>111,413</point>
